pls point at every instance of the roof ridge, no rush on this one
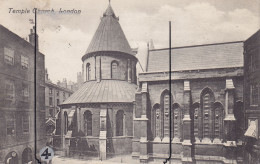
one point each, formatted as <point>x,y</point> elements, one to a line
<point>198,45</point>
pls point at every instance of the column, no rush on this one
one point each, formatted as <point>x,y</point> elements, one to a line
<point>103,135</point>
<point>186,144</point>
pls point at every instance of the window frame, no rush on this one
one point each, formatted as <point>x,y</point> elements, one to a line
<point>8,56</point>
<point>24,62</point>
<point>9,93</point>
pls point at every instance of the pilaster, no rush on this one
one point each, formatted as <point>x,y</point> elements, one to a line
<point>187,146</point>
<point>229,122</point>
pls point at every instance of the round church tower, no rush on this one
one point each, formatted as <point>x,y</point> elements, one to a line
<point>100,114</point>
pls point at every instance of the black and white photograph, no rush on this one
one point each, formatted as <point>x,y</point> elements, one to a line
<point>130,82</point>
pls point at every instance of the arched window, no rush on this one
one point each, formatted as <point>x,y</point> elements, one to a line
<point>114,70</point>
<point>218,120</point>
<point>157,121</point>
<point>166,114</point>
<point>196,120</point>
<point>207,99</point>
<point>165,101</point>
<point>120,123</point>
<point>88,72</point>
<point>177,118</point>
<point>88,123</point>
<point>66,123</point>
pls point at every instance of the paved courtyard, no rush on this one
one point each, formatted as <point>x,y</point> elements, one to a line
<point>114,160</point>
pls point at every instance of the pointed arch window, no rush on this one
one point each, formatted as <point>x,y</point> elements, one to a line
<point>157,121</point>
<point>207,99</point>
<point>88,123</point>
<point>120,121</point>
<point>218,120</point>
<point>88,71</point>
<point>114,70</point>
<point>177,118</point>
<point>196,118</point>
<point>166,101</point>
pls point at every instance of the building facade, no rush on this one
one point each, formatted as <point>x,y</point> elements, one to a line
<point>97,118</point>
<point>206,103</point>
<point>17,105</point>
<point>251,97</point>
<point>55,94</point>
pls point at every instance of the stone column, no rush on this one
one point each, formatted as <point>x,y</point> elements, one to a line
<point>103,135</point>
<point>187,146</point>
<point>229,122</point>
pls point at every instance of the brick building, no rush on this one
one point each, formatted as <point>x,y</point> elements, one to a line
<point>251,97</point>
<point>98,117</point>
<point>17,98</point>
<point>55,94</point>
<point>206,100</point>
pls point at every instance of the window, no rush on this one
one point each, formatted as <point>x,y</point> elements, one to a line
<point>253,95</point>
<point>196,122</point>
<point>166,115</point>
<point>50,91</point>
<point>88,72</point>
<point>50,101</point>
<point>218,120</point>
<point>51,112</point>
<point>10,126</point>
<point>207,99</point>
<point>58,102</point>
<point>120,123</point>
<point>9,89</point>
<point>158,120</point>
<point>26,124</point>
<point>9,56</point>
<point>24,62</point>
<point>25,92</point>
<point>114,70</point>
<point>58,94</point>
<point>177,118</point>
<point>88,123</point>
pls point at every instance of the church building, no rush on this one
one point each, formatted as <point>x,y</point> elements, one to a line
<point>111,115</point>
<point>99,114</point>
<point>206,103</point>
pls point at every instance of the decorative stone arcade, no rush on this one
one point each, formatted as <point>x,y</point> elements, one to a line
<point>100,113</point>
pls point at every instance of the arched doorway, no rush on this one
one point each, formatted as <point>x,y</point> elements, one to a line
<point>27,155</point>
<point>11,158</point>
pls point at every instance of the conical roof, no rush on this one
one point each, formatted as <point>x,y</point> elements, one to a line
<point>109,35</point>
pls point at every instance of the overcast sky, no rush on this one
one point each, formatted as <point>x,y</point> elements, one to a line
<point>64,38</point>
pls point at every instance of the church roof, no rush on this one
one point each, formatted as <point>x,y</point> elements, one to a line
<point>105,91</point>
<point>210,56</point>
<point>109,35</point>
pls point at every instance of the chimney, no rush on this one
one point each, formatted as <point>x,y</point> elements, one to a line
<point>32,38</point>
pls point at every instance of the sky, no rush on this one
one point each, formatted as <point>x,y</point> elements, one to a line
<point>64,38</point>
